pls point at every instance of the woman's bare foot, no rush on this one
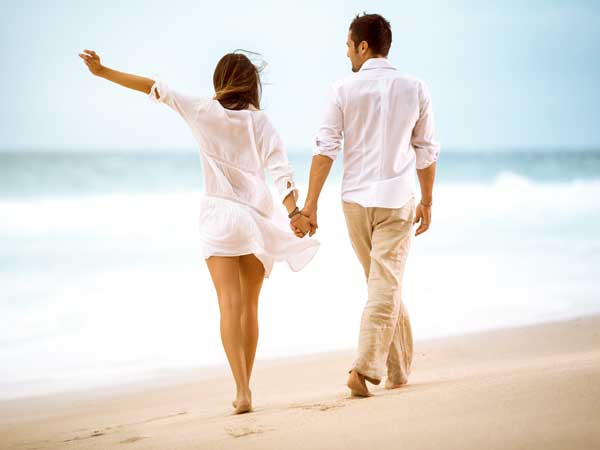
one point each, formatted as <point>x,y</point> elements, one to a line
<point>234,402</point>
<point>243,403</point>
<point>357,385</point>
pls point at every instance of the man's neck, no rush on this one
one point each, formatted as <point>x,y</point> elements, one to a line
<point>373,57</point>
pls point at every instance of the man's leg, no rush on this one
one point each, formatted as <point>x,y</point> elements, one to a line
<point>360,230</point>
<point>401,349</point>
<point>389,248</point>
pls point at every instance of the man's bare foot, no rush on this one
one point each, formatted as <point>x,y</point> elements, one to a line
<point>357,385</point>
<point>243,403</point>
<point>391,385</point>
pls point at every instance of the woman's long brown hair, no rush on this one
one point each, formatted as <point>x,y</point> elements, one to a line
<point>237,82</point>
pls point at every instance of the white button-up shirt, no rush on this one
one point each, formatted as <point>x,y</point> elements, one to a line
<point>385,121</point>
<point>236,147</point>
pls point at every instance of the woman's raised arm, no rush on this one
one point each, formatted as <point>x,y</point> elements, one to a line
<point>92,60</point>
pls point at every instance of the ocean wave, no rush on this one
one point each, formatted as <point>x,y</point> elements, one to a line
<point>96,283</point>
<point>122,214</point>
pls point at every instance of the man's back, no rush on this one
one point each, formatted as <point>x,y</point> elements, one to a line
<point>386,123</point>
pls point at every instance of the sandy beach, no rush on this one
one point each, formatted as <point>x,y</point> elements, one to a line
<point>527,388</point>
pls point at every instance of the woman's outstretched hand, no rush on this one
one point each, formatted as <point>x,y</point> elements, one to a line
<point>128,80</point>
<point>92,60</point>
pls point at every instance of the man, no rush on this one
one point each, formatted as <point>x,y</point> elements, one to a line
<point>386,123</point>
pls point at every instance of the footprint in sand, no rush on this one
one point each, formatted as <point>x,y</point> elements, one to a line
<point>94,434</point>
<point>239,432</point>
<point>132,439</point>
<point>102,432</point>
<point>321,406</point>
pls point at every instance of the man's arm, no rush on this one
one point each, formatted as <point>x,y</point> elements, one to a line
<point>423,212</point>
<point>328,143</point>
<point>427,150</point>
<point>319,170</point>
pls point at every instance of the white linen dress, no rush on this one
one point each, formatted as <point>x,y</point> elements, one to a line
<point>237,212</point>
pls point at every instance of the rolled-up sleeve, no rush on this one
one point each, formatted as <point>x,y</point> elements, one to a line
<point>276,162</point>
<point>184,104</point>
<point>423,139</point>
<point>329,137</point>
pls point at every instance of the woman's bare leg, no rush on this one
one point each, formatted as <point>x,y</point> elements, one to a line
<point>252,274</point>
<point>225,274</point>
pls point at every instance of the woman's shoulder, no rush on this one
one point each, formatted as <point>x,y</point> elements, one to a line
<point>263,121</point>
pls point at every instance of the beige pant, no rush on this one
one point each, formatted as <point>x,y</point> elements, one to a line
<point>381,239</point>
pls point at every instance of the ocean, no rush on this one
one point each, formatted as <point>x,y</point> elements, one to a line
<point>102,282</point>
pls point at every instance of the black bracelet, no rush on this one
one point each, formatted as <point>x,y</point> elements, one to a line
<point>296,211</point>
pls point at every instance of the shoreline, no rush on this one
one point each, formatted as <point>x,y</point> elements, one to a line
<point>166,376</point>
<point>526,386</point>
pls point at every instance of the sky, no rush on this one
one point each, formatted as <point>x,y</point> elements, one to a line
<point>502,75</point>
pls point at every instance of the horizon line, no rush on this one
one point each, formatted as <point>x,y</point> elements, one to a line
<point>293,150</point>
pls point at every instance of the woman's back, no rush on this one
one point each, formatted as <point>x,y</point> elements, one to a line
<point>236,146</point>
<point>241,235</point>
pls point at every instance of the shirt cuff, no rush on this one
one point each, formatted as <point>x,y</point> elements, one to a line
<point>162,90</point>
<point>324,152</point>
<point>426,157</point>
<point>285,191</point>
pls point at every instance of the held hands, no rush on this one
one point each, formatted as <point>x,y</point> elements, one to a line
<point>303,223</point>
<point>92,60</point>
<point>300,225</point>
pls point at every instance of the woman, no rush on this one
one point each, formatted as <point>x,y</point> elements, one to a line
<point>241,231</point>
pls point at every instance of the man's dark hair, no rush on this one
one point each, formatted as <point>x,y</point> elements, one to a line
<point>374,29</point>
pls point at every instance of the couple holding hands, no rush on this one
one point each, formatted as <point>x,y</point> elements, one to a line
<point>384,122</point>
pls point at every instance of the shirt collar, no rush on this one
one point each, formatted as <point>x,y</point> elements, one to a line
<point>376,63</point>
